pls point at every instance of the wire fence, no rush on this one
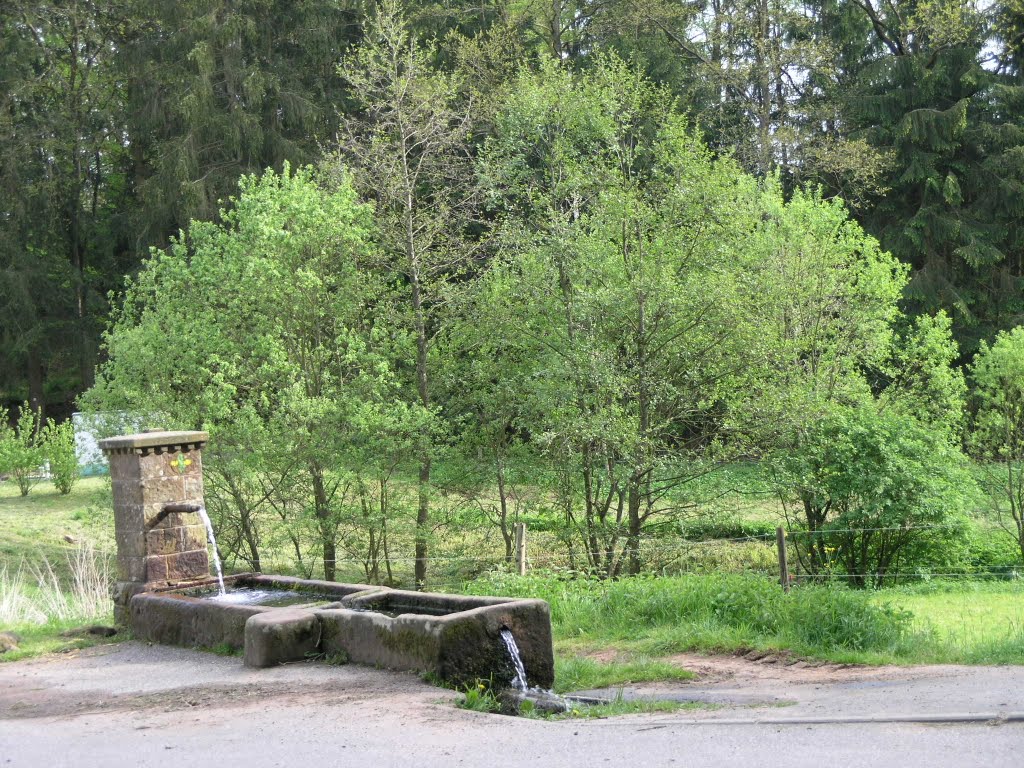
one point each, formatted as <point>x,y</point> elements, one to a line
<point>754,555</point>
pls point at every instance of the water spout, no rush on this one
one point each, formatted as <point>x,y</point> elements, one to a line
<point>519,679</point>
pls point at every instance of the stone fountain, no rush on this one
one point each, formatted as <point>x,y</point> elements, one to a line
<point>166,595</point>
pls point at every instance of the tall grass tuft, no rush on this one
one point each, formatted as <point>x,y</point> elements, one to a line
<point>36,595</point>
<point>659,615</point>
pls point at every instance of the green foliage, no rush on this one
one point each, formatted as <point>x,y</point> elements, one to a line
<point>260,330</point>
<point>834,617</point>
<point>21,449</point>
<point>714,527</point>
<point>928,100</point>
<point>875,492</point>
<point>998,434</point>
<point>656,304</point>
<point>58,442</point>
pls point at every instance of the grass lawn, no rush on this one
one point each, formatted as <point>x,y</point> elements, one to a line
<point>971,622</point>
<point>56,560</point>
<point>34,527</point>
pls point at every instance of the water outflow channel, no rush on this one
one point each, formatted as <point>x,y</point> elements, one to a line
<point>540,699</point>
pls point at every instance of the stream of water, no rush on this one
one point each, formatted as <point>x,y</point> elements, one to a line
<point>213,543</point>
<point>519,680</point>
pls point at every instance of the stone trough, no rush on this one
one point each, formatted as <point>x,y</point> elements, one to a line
<point>166,595</point>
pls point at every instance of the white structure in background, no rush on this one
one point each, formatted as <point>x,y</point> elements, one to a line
<point>90,428</point>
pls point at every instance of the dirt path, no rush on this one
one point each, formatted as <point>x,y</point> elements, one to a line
<point>136,705</point>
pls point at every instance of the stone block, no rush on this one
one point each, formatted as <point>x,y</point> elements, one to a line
<point>180,464</point>
<point>193,489</point>
<point>163,541</point>
<point>541,702</point>
<point>161,490</point>
<point>132,569</point>
<point>188,566</point>
<point>122,592</point>
<point>187,621</point>
<point>130,542</point>
<point>193,537</point>
<point>156,568</point>
<point>279,636</point>
<point>124,467</point>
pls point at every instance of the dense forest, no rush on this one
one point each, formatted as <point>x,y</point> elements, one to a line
<point>609,245</point>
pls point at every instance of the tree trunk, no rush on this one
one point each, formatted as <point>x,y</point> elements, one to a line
<point>327,528</point>
<point>36,387</point>
<point>506,530</point>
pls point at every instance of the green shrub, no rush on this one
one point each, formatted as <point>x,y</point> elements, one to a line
<point>21,452</point>
<point>992,552</point>
<point>58,443</point>
<point>880,494</point>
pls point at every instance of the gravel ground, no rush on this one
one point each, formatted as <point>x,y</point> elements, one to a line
<point>136,705</point>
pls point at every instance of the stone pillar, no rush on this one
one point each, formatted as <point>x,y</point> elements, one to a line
<point>157,547</point>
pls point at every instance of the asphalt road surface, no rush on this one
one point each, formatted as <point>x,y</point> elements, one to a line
<point>136,705</point>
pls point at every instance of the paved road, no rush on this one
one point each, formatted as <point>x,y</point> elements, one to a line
<point>135,705</point>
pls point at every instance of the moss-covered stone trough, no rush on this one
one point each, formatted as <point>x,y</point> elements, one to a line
<point>454,638</point>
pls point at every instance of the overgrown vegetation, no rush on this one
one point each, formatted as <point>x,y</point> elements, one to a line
<point>656,617</point>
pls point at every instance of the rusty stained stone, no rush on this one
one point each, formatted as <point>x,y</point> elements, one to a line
<point>156,568</point>
<point>193,537</point>
<point>187,566</point>
<point>163,541</point>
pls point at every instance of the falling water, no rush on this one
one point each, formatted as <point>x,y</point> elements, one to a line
<point>519,680</point>
<point>213,543</point>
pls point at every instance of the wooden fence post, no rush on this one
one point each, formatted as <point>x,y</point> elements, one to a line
<point>780,541</point>
<point>521,548</point>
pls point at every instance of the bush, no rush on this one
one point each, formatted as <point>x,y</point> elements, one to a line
<point>58,443</point>
<point>21,453</point>
<point>879,494</point>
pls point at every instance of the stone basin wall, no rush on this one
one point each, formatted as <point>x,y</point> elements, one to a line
<point>455,638</point>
